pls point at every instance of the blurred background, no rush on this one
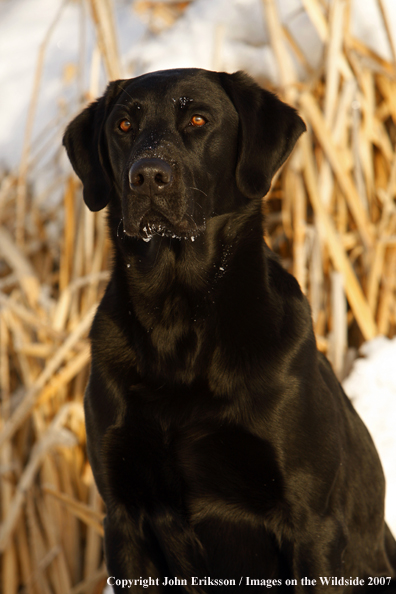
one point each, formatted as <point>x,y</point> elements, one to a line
<point>330,215</point>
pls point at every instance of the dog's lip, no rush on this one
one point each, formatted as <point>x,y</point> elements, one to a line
<point>153,223</point>
<point>149,230</point>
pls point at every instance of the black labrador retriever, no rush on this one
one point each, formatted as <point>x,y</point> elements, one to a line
<point>227,454</point>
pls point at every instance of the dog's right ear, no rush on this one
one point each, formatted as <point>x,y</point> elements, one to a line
<point>86,148</point>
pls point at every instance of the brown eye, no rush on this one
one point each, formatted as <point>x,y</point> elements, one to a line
<point>124,125</point>
<point>198,121</point>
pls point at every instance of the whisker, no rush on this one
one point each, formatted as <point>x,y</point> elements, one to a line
<point>125,91</point>
<point>118,228</point>
<point>192,218</point>
<point>198,190</point>
<point>157,254</point>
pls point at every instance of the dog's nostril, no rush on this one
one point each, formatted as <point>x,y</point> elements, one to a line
<point>162,178</point>
<point>138,180</point>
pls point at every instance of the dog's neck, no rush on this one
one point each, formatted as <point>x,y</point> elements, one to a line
<point>176,288</point>
<point>162,266</point>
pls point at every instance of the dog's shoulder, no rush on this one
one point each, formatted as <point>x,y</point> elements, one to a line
<point>281,281</point>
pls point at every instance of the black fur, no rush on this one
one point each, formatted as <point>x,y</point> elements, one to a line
<point>220,439</point>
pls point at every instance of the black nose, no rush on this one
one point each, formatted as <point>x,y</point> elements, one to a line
<point>150,176</point>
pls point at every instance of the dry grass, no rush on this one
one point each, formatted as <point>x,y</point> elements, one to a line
<point>331,216</point>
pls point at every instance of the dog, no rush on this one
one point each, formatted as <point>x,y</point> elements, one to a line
<point>226,452</point>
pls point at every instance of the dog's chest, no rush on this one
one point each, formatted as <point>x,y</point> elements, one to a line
<point>230,467</point>
<point>197,468</point>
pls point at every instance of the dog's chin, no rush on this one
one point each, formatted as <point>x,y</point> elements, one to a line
<point>151,226</point>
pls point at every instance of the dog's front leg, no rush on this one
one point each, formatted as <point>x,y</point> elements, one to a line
<point>318,560</point>
<point>184,553</point>
<point>133,557</point>
<point>152,553</point>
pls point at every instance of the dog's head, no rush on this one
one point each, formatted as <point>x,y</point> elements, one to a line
<point>176,147</point>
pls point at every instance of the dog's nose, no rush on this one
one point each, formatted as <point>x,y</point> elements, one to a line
<point>150,176</point>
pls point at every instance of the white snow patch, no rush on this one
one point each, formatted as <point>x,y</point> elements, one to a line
<point>372,389</point>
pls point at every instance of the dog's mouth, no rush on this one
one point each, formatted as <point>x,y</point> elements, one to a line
<point>148,230</point>
<point>154,224</point>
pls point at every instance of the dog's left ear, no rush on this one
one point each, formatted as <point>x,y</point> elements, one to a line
<point>268,131</point>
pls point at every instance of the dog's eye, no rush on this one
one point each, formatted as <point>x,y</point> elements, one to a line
<point>198,121</point>
<point>124,125</point>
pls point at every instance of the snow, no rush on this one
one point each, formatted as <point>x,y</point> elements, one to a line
<point>224,35</point>
<point>372,388</point>
<point>214,34</point>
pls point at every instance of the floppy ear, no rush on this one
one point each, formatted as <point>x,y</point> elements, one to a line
<point>85,146</point>
<point>268,131</point>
